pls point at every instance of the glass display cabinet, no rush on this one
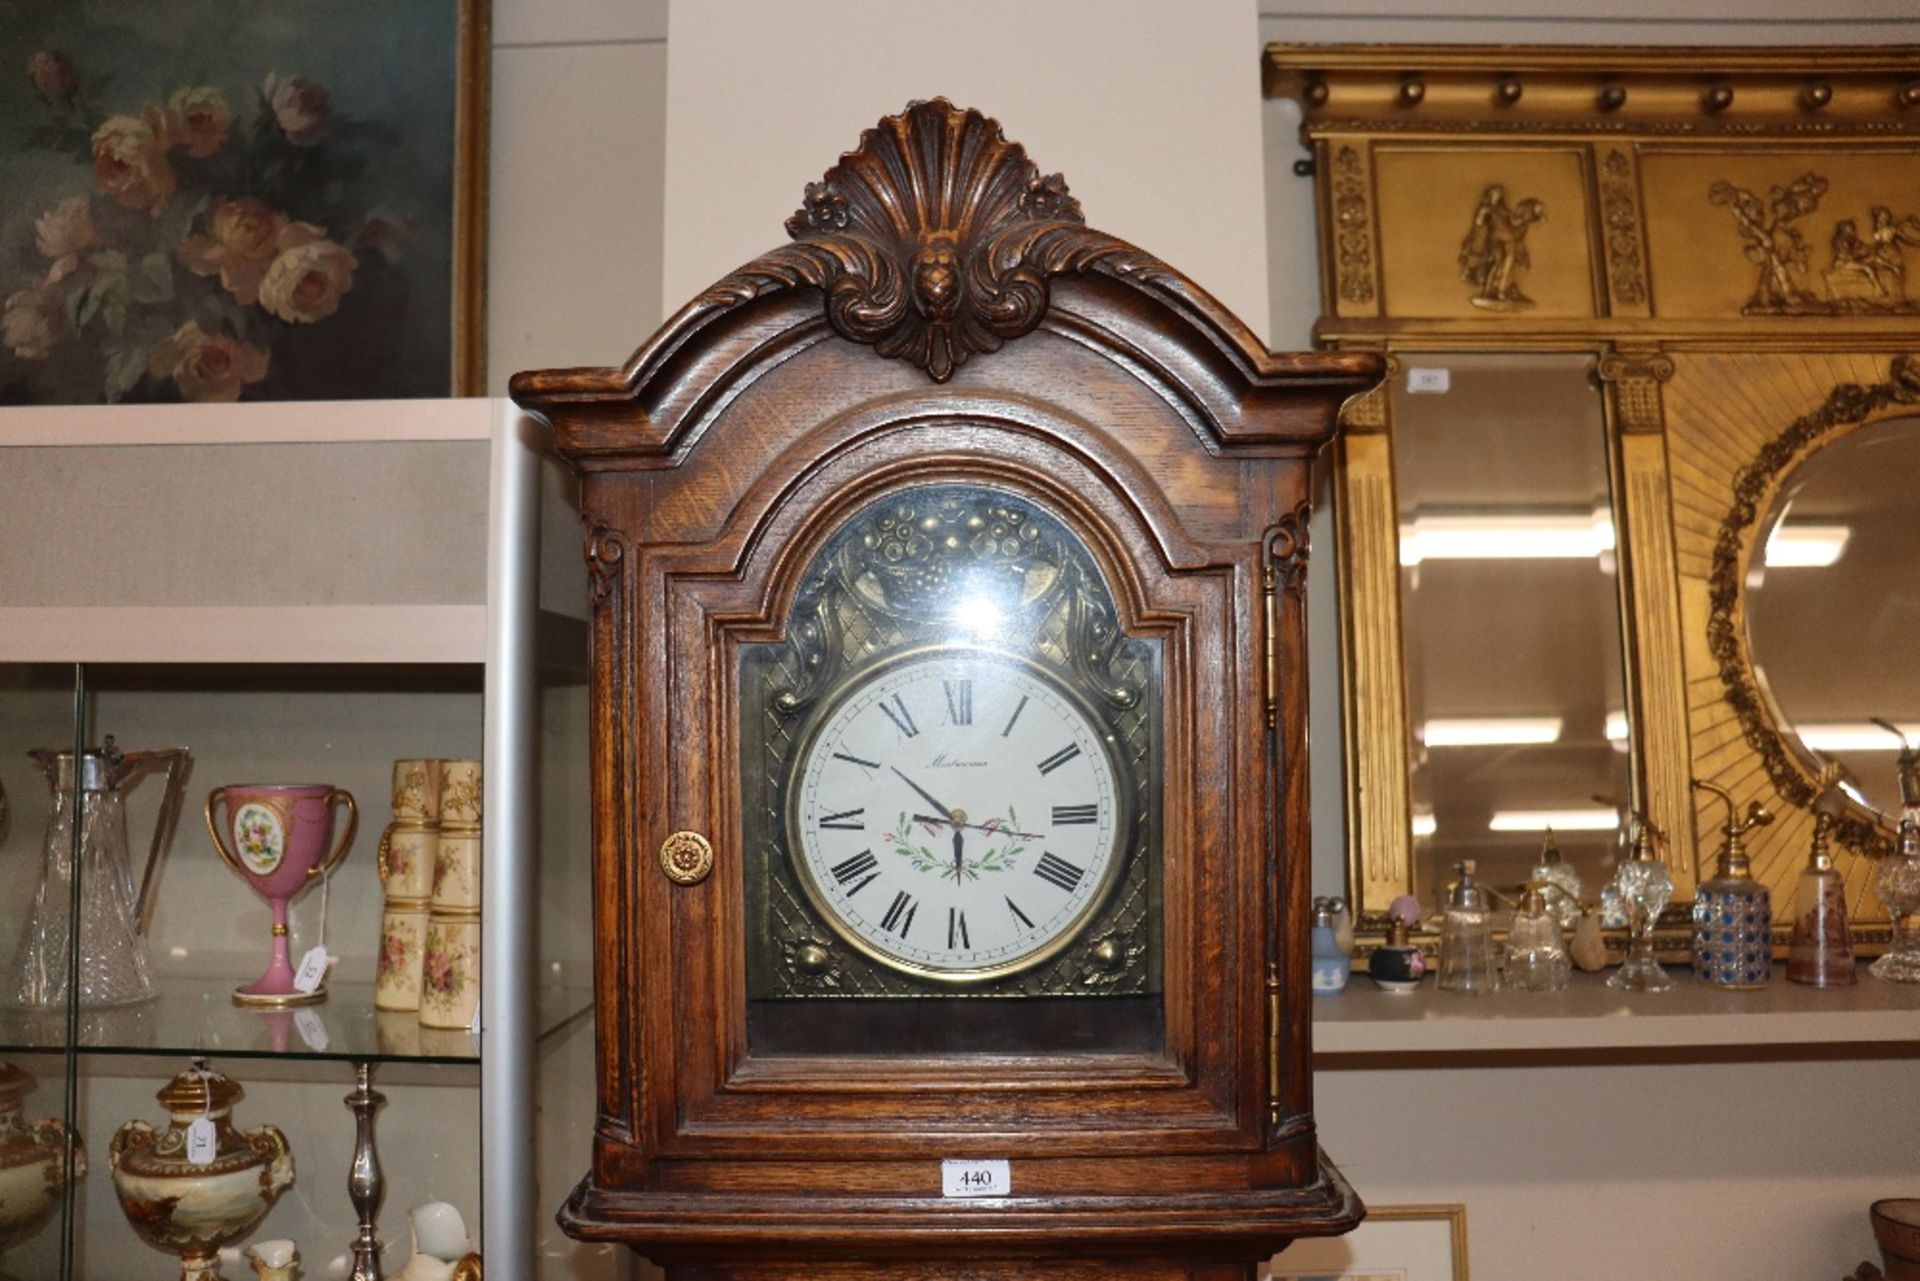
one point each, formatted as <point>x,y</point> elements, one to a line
<point>288,594</point>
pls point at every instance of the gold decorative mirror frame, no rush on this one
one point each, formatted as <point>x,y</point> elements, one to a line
<point>1664,211</point>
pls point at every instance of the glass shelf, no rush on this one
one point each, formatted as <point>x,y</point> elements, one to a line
<point>198,1016</point>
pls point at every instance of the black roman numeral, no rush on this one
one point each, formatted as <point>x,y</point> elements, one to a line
<point>1059,758</point>
<point>846,820</point>
<point>900,912</point>
<point>959,702</point>
<point>902,719</point>
<point>1056,870</point>
<point>957,928</point>
<point>869,766</point>
<point>1018,915</point>
<point>1064,814</point>
<point>860,865</point>
<point>1018,708</point>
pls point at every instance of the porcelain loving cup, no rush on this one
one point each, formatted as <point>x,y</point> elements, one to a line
<point>276,838</point>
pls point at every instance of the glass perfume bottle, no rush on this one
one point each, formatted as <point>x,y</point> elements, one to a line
<point>1396,965</point>
<point>1898,881</point>
<point>1330,965</point>
<point>1643,887</point>
<point>1557,872</point>
<point>1732,912</point>
<point>1898,877</point>
<point>1822,951</point>
<point>1466,936</point>
<point>1537,958</point>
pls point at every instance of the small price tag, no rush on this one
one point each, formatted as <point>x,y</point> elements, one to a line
<point>974,1178</point>
<point>311,1028</point>
<point>1428,382</point>
<point>313,969</point>
<point>201,1142</point>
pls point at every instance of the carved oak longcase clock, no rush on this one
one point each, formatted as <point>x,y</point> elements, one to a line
<point>949,747</point>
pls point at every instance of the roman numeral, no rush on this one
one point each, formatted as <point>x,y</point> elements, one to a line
<point>846,820</point>
<point>1018,708</point>
<point>1064,814</point>
<point>1057,871</point>
<point>957,927</point>
<point>1059,758</point>
<point>900,912</point>
<point>902,719</point>
<point>959,702</point>
<point>860,865</point>
<point>1018,915</point>
<point>869,766</point>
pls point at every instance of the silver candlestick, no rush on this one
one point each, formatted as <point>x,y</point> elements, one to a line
<point>366,1185</point>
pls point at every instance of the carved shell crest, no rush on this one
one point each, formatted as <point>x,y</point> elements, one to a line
<point>934,240</point>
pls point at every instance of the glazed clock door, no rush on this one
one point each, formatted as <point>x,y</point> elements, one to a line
<point>949,779</point>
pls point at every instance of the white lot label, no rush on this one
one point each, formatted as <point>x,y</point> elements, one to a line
<point>313,968</point>
<point>202,1141</point>
<point>1431,382</point>
<point>974,1178</point>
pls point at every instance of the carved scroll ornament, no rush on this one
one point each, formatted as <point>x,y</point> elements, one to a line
<point>934,240</point>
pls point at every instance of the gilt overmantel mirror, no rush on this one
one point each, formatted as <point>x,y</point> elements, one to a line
<point>1634,507</point>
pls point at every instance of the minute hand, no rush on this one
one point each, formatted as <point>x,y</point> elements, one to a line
<point>925,795</point>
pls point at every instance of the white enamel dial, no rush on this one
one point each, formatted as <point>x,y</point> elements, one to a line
<point>957,814</point>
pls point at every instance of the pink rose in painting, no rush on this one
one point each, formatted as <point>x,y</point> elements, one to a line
<point>63,233</point>
<point>130,161</point>
<point>52,75</point>
<point>31,321</point>
<point>388,234</point>
<point>243,238</point>
<point>206,367</point>
<point>308,280</point>
<point>303,108</point>
<point>197,119</point>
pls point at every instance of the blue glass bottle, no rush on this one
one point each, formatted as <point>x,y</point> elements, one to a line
<point>1330,966</point>
<point>1732,912</point>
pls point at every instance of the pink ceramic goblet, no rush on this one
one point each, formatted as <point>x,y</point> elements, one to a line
<point>276,838</point>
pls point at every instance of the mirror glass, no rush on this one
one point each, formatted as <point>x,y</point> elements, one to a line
<point>1833,604</point>
<point>1511,616</point>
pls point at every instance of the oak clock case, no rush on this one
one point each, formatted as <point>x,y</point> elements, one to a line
<point>951,771</point>
<point>949,746</point>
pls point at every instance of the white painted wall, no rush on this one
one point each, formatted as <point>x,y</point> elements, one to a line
<point>1126,97</point>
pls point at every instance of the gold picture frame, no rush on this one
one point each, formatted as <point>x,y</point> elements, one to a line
<point>1393,1243</point>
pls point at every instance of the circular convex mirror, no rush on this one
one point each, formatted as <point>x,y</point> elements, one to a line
<point>1833,606</point>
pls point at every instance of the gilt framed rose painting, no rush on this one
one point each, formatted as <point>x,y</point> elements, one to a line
<point>216,200</point>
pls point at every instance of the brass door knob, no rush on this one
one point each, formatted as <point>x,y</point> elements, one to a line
<point>686,858</point>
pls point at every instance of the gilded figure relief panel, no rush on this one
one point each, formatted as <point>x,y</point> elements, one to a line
<point>1815,232</point>
<point>1486,234</point>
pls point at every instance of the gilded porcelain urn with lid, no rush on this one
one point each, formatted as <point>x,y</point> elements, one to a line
<point>32,1162</point>
<point>202,1182</point>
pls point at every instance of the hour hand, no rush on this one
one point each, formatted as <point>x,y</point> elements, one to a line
<point>925,795</point>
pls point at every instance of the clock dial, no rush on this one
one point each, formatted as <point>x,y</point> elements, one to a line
<point>956,814</point>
